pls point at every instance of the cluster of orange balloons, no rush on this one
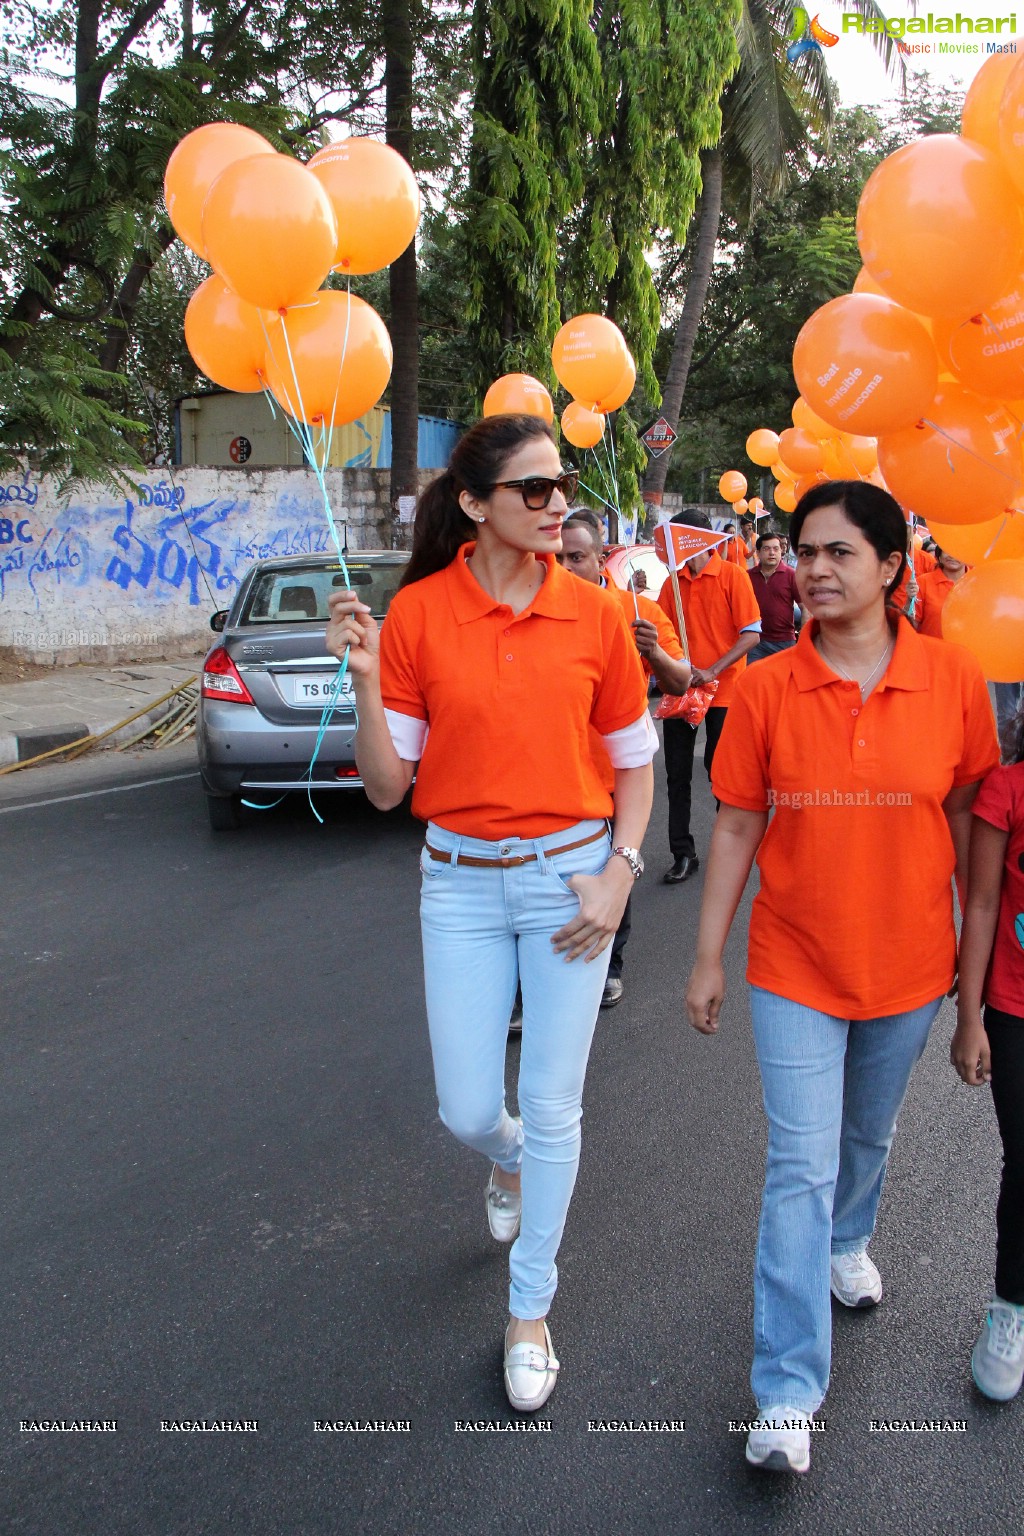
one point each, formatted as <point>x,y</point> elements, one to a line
<point>923,363</point>
<point>273,230</point>
<point>595,366</point>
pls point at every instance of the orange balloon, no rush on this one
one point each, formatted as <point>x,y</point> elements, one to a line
<point>518,394</point>
<point>739,507</point>
<point>808,420</point>
<point>621,393</point>
<point>195,163</point>
<point>339,363</point>
<point>270,231</point>
<point>987,350</point>
<point>837,460</point>
<point>583,427</point>
<point>865,365</point>
<point>763,447</point>
<point>865,283</point>
<point>985,612</point>
<point>782,471</point>
<point>863,452</point>
<point>785,497</point>
<point>590,358</point>
<point>808,482</point>
<point>227,337</point>
<point>962,464</point>
<point>1000,539</point>
<point>800,451</point>
<point>1011,124</point>
<point>375,199</point>
<point>732,486</point>
<point>979,120</point>
<point>939,226</point>
<point>756,505</point>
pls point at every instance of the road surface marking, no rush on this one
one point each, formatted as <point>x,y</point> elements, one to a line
<point>87,794</point>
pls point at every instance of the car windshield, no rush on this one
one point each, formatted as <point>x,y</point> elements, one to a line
<point>297,595</point>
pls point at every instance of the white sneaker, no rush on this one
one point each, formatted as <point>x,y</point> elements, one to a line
<point>504,1210</point>
<point>997,1363</point>
<point>855,1280</point>
<point>780,1440</point>
<point>530,1373</point>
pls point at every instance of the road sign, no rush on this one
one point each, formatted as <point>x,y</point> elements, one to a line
<point>658,437</point>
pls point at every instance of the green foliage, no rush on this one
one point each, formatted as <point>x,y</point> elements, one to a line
<point>534,110</point>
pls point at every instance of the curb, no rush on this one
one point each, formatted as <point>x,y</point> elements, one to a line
<point>19,746</point>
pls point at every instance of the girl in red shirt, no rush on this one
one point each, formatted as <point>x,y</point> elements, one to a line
<point>992,968</point>
<point>491,669</point>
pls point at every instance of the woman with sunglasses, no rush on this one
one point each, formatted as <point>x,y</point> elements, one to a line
<point>489,670</point>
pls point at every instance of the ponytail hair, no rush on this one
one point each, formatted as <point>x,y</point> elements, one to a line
<point>477,463</point>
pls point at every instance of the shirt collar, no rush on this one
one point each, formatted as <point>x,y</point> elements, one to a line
<point>908,666</point>
<point>713,568</point>
<point>555,600</point>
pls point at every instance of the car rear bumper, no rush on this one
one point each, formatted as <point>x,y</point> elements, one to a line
<point>240,750</point>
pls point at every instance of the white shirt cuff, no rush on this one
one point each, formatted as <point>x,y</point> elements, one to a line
<point>634,745</point>
<point>407,733</point>
<point>751,629</point>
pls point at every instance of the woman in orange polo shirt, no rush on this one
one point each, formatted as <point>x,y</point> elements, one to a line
<point>863,738</point>
<point>491,668</point>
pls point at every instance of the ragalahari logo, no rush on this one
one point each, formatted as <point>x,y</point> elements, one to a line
<point>807,36</point>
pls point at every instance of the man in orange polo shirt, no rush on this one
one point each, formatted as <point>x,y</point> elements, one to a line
<point>661,656</point>
<point>723,623</point>
<point>933,589</point>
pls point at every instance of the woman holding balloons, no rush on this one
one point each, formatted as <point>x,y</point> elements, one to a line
<point>863,738</point>
<point>492,665</point>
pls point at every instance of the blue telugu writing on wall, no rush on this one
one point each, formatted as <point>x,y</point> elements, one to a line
<point>154,544</point>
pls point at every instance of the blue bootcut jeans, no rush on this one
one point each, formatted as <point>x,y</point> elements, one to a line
<point>832,1090</point>
<point>482,929</point>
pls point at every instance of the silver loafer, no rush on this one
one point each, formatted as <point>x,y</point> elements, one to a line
<point>504,1210</point>
<point>530,1373</point>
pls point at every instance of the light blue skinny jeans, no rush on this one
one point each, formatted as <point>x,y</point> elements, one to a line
<point>832,1092</point>
<point>484,929</point>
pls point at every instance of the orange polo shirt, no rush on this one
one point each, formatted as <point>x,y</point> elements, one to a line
<point>718,603</point>
<point>835,926</point>
<point>669,642</point>
<point>923,563</point>
<point>933,589</point>
<point>649,610</point>
<point>509,698</point>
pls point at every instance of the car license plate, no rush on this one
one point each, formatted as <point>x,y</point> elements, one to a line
<point>314,690</point>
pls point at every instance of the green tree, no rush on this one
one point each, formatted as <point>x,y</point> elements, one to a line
<point>535,111</point>
<point>662,69</point>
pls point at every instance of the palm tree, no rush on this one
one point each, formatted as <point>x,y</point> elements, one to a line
<point>770,108</point>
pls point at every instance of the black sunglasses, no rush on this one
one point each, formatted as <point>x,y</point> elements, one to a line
<point>537,490</point>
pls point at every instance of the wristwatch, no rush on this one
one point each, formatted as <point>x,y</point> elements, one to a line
<point>633,858</point>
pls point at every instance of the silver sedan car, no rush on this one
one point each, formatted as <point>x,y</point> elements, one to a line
<point>268,678</point>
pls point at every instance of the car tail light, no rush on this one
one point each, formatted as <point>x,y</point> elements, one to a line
<point>346,771</point>
<point>221,679</point>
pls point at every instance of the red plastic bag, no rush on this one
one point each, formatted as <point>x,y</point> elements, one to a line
<point>690,706</point>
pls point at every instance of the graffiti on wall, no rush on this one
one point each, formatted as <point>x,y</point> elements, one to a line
<point>158,544</point>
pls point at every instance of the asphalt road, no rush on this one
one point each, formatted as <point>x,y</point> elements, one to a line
<point>225,1194</point>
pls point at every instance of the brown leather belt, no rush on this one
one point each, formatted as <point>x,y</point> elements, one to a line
<point>513,860</point>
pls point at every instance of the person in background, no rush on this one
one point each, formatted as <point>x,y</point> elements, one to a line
<point>862,739</point>
<point>491,666</point>
<point>723,624</point>
<point>991,970</point>
<point>933,589</point>
<point>774,587</point>
<point>661,656</point>
<point>788,553</point>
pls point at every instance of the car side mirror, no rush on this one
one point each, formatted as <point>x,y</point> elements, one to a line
<point>218,620</point>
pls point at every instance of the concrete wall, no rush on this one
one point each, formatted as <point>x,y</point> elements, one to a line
<point>106,575</point>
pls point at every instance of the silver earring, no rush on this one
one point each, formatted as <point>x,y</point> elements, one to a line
<point>481,519</point>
